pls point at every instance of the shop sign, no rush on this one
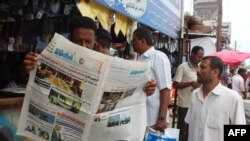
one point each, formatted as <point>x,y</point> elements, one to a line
<point>206,10</point>
<point>226,30</point>
<point>161,15</point>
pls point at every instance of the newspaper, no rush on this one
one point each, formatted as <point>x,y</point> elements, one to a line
<point>76,94</point>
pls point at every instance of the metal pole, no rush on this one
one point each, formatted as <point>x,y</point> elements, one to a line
<point>235,45</point>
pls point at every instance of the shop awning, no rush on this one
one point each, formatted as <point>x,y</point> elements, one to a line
<point>161,15</point>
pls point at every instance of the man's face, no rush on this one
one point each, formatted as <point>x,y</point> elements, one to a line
<point>244,75</point>
<point>101,49</point>
<point>197,57</point>
<point>248,74</point>
<point>136,43</point>
<point>83,37</point>
<point>205,72</point>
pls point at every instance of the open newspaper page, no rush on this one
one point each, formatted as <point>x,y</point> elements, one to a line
<point>40,120</point>
<point>126,124</point>
<point>124,85</point>
<point>67,90</point>
<point>61,92</point>
<point>121,114</point>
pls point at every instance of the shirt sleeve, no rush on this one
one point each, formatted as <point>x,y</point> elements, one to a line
<point>179,73</point>
<point>188,115</point>
<point>162,70</point>
<point>242,85</point>
<point>237,115</point>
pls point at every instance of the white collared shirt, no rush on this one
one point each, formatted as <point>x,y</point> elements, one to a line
<point>161,72</point>
<point>207,116</point>
<point>238,84</point>
<point>185,73</point>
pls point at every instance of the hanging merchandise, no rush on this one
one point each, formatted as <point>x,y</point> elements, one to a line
<point>122,23</point>
<point>103,16</point>
<point>68,1</point>
<point>55,6</point>
<point>93,10</point>
<point>18,2</point>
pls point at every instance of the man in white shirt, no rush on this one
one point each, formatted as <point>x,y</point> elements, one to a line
<point>248,84</point>
<point>212,105</point>
<point>82,32</point>
<point>238,82</point>
<point>157,104</point>
<point>185,81</point>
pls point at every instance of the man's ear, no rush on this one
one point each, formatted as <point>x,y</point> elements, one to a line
<point>94,47</point>
<point>215,72</point>
<point>144,41</point>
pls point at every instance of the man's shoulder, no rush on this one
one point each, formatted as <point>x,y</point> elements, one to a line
<point>158,52</point>
<point>160,55</point>
<point>184,64</point>
<point>229,93</point>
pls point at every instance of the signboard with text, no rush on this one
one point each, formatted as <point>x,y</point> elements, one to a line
<point>161,15</point>
<point>206,10</point>
<point>226,30</point>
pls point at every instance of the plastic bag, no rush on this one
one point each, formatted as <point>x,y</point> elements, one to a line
<point>170,134</point>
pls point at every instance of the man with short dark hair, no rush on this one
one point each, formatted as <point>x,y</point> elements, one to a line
<point>103,41</point>
<point>212,105</point>
<point>82,32</point>
<point>185,81</point>
<point>157,104</point>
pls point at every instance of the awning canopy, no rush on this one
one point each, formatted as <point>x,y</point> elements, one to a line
<point>231,58</point>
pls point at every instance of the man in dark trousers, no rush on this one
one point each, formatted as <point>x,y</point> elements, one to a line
<point>185,81</point>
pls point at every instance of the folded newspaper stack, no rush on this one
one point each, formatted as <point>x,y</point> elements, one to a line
<point>76,94</point>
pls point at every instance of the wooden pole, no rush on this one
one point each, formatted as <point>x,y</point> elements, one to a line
<point>219,22</point>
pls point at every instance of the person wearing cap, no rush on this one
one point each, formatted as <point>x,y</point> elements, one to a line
<point>103,41</point>
<point>82,32</point>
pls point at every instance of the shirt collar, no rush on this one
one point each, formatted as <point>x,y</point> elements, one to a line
<point>216,91</point>
<point>149,52</point>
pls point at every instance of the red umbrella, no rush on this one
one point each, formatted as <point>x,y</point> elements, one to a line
<point>231,58</point>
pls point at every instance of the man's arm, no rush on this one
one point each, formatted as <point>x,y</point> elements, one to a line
<point>242,88</point>
<point>179,77</point>
<point>194,84</point>
<point>161,123</point>
<point>237,112</point>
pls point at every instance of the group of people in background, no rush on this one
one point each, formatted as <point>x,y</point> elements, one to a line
<point>204,104</point>
<point>237,79</point>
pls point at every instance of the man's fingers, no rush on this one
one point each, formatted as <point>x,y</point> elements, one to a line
<point>31,57</point>
<point>27,69</point>
<point>29,62</point>
<point>151,83</point>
